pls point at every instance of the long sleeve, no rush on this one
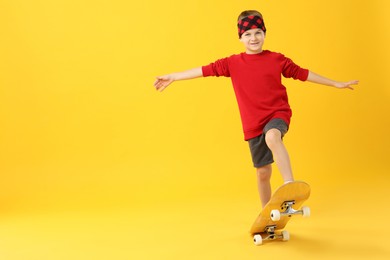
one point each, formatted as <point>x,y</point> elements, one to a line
<point>292,70</point>
<point>217,68</point>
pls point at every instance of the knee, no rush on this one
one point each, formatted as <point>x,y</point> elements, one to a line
<point>273,137</point>
<point>264,173</point>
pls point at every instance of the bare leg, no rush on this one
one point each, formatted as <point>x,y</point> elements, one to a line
<point>264,183</point>
<point>273,138</point>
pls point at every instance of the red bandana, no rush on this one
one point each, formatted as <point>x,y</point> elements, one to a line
<point>250,22</point>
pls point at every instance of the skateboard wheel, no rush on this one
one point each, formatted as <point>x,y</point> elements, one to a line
<point>257,239</point>
<point>285,235</point>
<point>275,215</point>
<point>306,211</point>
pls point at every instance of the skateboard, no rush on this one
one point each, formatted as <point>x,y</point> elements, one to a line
<point>284,203</point>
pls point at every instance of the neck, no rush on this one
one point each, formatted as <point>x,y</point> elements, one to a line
<point>253,52</point>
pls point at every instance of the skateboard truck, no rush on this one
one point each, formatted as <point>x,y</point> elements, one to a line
<point>271,235</point>
<point>288,210</point>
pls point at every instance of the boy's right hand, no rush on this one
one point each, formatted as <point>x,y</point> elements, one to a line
<point>162,82</point>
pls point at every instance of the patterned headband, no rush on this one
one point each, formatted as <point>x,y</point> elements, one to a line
<point>250,22</point>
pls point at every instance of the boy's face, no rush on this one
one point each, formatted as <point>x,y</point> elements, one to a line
<point>253,40</point>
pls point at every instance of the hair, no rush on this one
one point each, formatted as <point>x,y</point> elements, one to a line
<point>249,13</point>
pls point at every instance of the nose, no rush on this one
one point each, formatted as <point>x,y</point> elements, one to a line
<point>253,37</point>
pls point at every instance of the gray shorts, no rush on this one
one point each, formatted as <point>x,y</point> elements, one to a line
<point>261,154</point>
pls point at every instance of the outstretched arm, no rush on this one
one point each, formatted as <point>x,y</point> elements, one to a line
<point>164,81</point>
<point>315,78</point>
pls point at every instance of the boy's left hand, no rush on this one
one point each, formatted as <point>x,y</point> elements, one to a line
<point>346,84</point>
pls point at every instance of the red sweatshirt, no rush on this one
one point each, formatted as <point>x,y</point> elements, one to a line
<point>257,82</point>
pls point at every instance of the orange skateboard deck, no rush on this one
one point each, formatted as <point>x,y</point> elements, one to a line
<point>284,203</point>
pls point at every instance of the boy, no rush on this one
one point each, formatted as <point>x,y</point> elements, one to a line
<point>262,99</point>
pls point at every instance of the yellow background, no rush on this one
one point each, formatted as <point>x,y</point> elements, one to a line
<point>95,164</point>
